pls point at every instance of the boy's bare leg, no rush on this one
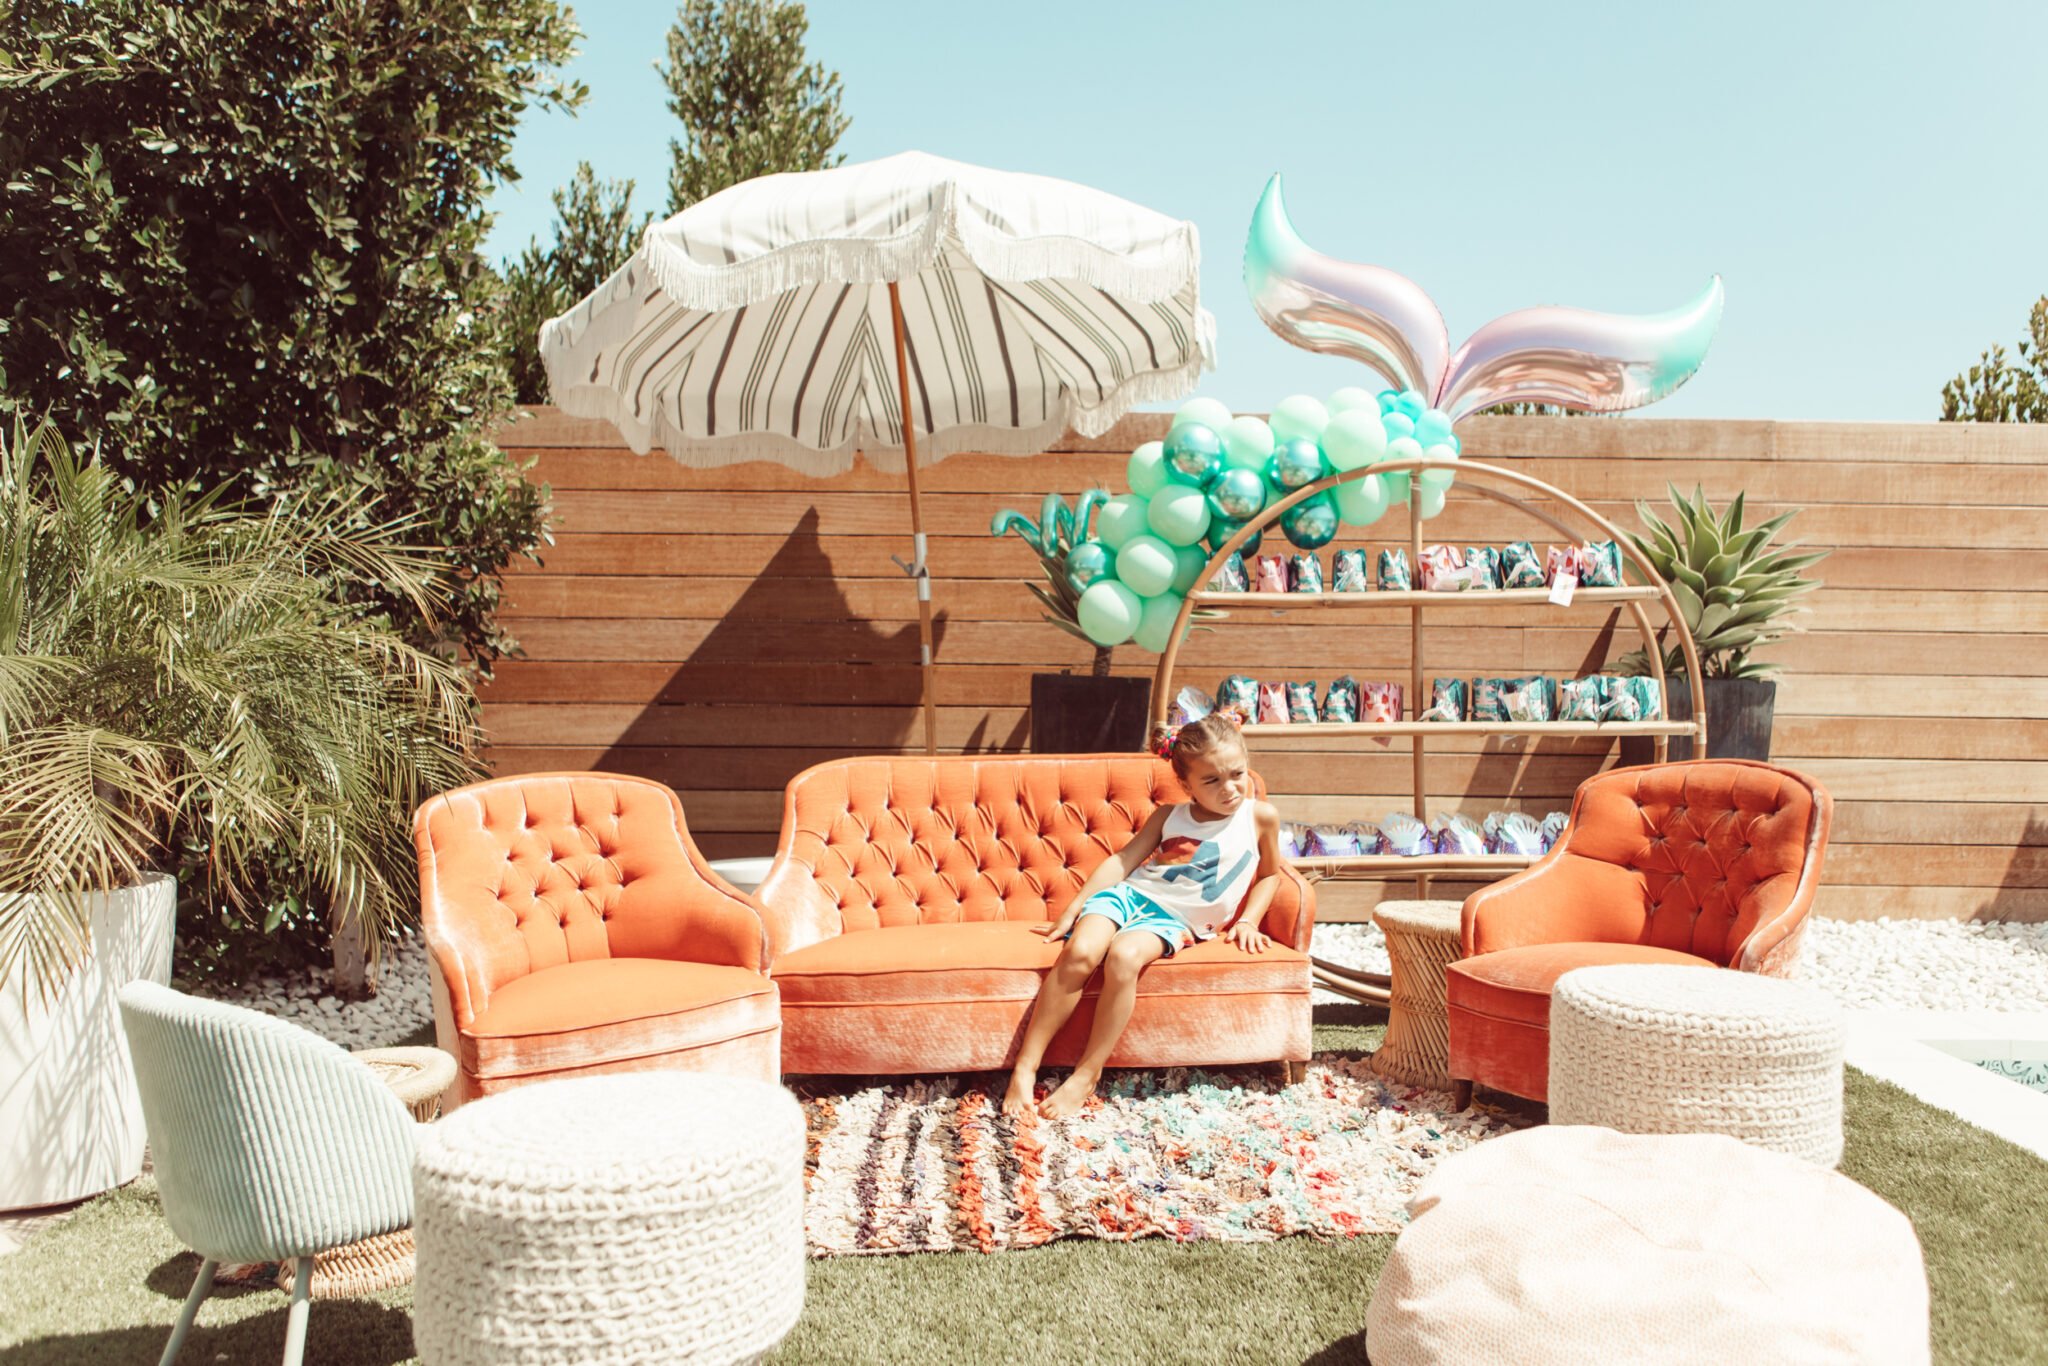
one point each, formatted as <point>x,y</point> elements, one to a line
<point>1055,1005</point>
<point>1130,953</point>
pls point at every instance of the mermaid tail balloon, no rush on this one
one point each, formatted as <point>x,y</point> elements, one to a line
<point>1600,362</point>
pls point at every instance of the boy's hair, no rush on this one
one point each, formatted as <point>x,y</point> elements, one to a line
<point>1178,744</point>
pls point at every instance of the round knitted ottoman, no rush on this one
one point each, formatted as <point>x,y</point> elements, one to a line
<point>1578,1244</point>
<point>1422,941</point>
<point>651,1216</point>
<point>1663,1049</point>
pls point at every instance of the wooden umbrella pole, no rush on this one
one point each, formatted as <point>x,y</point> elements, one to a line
<point>917,569</point>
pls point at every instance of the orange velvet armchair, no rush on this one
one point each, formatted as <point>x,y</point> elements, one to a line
<point>1710,863</point>
<point>574,928</point>
<point>901,902</point>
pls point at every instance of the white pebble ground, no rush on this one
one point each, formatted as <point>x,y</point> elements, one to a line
<point>1887,964</point>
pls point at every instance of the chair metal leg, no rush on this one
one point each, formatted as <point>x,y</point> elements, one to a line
<point>295,1324</point>
<point>201,1288</point>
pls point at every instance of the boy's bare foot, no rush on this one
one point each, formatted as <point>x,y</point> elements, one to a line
<point>1072,1094</point>
<point>1019,1100</point>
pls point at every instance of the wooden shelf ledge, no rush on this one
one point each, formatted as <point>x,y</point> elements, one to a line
<point>1318,729</point>
<point>1415,597</point>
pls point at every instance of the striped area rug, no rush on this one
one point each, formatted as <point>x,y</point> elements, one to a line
<point>932,1165</point>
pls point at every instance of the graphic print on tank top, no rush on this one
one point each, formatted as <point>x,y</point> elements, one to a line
<point>1199,862</point>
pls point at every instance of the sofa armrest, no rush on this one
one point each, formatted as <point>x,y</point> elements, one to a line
<point>1291,914</point>
<point>796,911</point>
<point>1563,897</point>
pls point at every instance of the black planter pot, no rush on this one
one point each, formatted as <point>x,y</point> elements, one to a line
<point>1738,721</point>
<point>1084,714</point>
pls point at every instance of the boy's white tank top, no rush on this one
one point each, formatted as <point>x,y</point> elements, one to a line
<point>1202,869</point>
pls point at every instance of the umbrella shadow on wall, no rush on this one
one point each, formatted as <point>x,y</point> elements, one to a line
<point>2016,898</point>
<point>791,675</point>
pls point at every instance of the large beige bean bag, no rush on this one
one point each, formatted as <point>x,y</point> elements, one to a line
<point>1576,1244</point>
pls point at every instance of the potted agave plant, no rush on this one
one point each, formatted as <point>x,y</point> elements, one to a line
<point>1738,593</point>
<point>177,674</point>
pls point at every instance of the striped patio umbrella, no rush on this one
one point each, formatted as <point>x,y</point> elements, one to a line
<point>796,317</point>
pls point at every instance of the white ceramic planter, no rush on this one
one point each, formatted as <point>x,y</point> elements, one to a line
<point>70,1117</point>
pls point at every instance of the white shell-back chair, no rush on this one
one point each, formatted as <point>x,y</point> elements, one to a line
<point>270,1143</point>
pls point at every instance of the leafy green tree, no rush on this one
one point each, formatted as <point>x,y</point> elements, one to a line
<point>1998,390</point>
<point>595,231</point>
<point>749,103</point>
<point>239,245</point>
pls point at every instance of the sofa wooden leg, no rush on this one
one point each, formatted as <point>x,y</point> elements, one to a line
<point>1461,1094</point>
<point>1293,1072</point>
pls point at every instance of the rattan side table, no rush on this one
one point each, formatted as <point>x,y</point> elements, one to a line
<point>1422,941</point>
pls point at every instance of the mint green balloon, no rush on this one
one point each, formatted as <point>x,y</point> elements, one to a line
<point>1362,501</point>
<point>1207,411</point>
<point>1109,612</point>
<point>1147,469</point>
<point>1155,622</point>
<point>1299,418</point>
<point>1146,565</point>
<point>1429,503</point>
<point>1400,448</point>
<point>1247,442</point>
<point>1351,397</point>
<point>1355,437</point>
<point>1439,479</point>
<point>1121,518</point>
<point>1178,516</point>
<point>1188,561</point>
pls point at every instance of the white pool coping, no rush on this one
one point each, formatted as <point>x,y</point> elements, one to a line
<point>1929,1053</point>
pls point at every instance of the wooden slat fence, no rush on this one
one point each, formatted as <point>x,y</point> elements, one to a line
<point>720,630</point>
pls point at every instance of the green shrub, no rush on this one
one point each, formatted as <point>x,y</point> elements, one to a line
<point>239,245</point>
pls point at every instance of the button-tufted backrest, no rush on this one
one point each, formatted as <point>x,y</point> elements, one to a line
<point>1718,847</point>
<point>871,843</point>
<point>528,872</point>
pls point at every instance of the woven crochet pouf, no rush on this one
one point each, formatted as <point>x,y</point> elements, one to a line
<point>1663,1049</point>
<point>651,1216</point>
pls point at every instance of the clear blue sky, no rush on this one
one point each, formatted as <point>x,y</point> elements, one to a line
<point>1867,177</point>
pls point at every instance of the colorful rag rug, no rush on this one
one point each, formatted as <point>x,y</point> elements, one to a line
<point>933,1165</point>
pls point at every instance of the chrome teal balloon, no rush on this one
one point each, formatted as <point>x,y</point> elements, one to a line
<point>1086,563</point>
<point>1222,530</point>
<point>1108,612</point>
<point>1312,524</point>
<point>1193,454</point>
<point>1294,464</point>
<point>1145,566</point>
<point>1179,515</point>
<point>1237,494</point>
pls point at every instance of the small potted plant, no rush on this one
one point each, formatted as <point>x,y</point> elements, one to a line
<point>1738,593</point>
<point>177,674</point>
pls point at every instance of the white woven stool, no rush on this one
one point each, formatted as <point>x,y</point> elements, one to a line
<point>1422,941</point>
<point>652,1216</point>
<point>1662,1049</point>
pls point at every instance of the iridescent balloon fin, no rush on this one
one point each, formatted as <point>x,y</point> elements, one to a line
<point>1601,362</point>
<point>1342,308</point>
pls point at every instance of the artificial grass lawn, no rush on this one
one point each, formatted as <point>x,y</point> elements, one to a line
<point>105,1286</point>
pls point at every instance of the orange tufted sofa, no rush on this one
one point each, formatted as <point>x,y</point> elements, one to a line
<point>574,928</point>
<point>900,903</point>
<point>1710,863</point>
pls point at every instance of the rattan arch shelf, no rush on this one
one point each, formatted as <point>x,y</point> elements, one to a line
<point>1494,482</point>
